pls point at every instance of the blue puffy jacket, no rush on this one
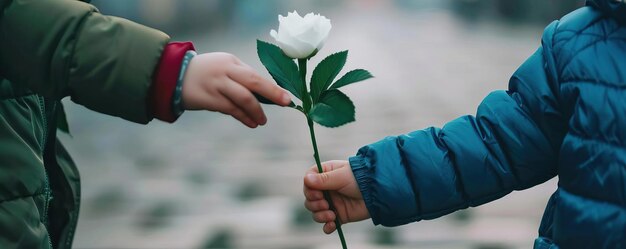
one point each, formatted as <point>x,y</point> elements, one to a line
<point>564,115</point>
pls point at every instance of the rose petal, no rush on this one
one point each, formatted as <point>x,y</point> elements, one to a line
<point>300,36</point>
<point>323,28</point>
<point>296,49</point>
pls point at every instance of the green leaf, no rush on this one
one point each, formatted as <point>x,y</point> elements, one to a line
<point>282,68</point>
<point>352,77</point>
<point>325,72</point>
<point>334,109</point>
<point>61,119</point>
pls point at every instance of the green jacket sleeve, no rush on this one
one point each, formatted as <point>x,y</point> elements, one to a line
<point>61,48</point>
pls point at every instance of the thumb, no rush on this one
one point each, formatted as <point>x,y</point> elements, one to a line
<point>331,180</point>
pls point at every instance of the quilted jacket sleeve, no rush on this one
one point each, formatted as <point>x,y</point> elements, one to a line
<point>511,144</point>
<point>61,48</point>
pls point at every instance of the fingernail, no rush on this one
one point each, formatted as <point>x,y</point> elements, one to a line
<point>312,178</point>
<point>286,98</point>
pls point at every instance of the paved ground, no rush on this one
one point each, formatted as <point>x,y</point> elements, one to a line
<point>208,182</point>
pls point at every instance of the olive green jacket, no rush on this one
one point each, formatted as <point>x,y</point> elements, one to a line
<point>50,49</point>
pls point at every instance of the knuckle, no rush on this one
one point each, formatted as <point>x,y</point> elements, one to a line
<point>233,58</point>
<point>227,55</point>
<point>327,166</point>
<point>329,215</point>
<point>324,177</point>
<point>325,215</point>
<point>317,217</point>
<point>248,99</point>
<point>278,91</point>
<point>254,80</point>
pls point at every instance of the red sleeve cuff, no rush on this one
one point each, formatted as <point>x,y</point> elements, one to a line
<point>165,79</point>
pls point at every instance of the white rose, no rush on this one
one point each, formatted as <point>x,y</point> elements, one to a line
<point>301,37</point>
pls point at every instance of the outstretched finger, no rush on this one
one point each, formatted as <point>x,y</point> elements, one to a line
<point>244,99</point>
<point>229,108</point>
<point>250,79</point>
<point>244,119</point>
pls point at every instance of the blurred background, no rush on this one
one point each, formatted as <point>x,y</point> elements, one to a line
<point>208,182</point>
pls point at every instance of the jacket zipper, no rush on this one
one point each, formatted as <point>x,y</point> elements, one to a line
<point>47,192</point>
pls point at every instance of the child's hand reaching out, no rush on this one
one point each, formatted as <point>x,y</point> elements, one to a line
<point>221,82</point>
<point>344,191</point>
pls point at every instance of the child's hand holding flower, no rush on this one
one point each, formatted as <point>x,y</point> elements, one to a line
<point>223,83</point>
<point>344,191</point>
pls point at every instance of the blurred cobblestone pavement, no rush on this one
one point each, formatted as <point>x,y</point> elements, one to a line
<point>208,182</point>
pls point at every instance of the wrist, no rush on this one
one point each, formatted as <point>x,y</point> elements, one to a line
<point>177,99</point>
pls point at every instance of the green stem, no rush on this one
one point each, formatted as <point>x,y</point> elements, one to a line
<point>326,194</point>
<point>307,102</point>
<point>306,97</point>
